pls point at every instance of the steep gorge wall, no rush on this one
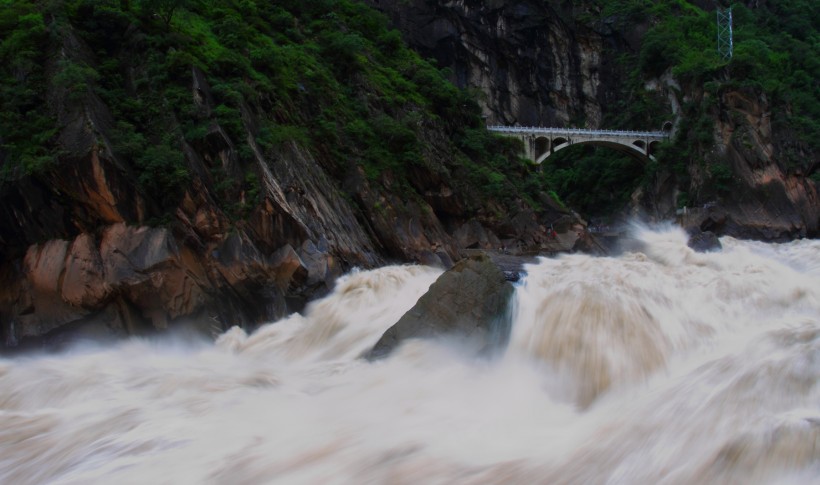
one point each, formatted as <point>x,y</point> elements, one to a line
<point>84,249</point>
<point>770,195</point>
<point>97,262</point>
<point>556,64</point>
<point>533,64</point>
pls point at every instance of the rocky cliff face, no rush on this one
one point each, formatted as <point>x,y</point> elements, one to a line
<point>82,248</point>
<point>99,264</point>
<point>555,64</point>
<point>770,197</point>
<point>750,178</point>
<point>534,64</point>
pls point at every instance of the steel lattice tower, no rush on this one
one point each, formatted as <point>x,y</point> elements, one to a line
<point>724,36</point>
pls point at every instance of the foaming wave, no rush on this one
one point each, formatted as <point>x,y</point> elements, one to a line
<point>603,322</point>
<point>613,322</point>
<point>749,416</point>
<point>799,255</point>
<point>664,243</point>
<point>646,368</point>
<point>362,306</point>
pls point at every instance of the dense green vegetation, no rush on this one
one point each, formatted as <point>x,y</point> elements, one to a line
<point>593,180</point>
<point>25,127</point>
<point>776,54</point>
<point>331,76</point>
<point>327,74</point>
<point>776,47</point>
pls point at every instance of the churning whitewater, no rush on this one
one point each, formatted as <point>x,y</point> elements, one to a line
<point>662,365</point>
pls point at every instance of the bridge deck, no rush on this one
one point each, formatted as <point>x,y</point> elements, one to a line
<point>577,132</point>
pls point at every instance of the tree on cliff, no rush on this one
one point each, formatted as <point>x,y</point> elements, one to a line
<point>164,9</point>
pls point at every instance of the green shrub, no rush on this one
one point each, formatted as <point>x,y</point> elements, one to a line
<point>163,173</point>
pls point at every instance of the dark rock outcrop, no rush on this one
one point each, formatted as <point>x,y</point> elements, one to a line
<point>534,67</point>
<point>704,241</point>
<point>84,246</point>
<point>769,197</point>
<point>469,301</point>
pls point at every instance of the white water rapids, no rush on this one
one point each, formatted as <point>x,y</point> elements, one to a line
<point>659,366</point>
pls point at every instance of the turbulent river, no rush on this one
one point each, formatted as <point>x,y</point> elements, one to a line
<point>658,366</point>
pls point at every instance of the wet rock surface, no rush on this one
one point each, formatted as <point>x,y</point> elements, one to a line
<point>705,241</point>
<point>469,301</point>
<point>534,68</point>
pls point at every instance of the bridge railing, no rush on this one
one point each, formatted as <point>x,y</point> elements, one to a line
<point>577,131</point>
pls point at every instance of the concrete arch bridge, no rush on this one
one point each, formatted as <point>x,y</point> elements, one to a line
<point>540,143</point>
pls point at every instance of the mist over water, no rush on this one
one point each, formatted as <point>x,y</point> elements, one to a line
<point>658,366</point>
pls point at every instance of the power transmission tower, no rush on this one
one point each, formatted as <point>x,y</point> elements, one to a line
<point>724,36</point>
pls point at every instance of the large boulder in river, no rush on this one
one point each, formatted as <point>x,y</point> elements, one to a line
<point>705,241</point>
<point>469,302</point>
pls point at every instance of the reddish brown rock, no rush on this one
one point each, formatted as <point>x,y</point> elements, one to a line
<point>44,265</point>
<point>40,307</point>
<point>238,260</point>
<point>84,282</point>
<point>143,264</point>
<point>289,267</point>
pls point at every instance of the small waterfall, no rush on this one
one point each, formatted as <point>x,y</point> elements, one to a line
<point>662,365</point>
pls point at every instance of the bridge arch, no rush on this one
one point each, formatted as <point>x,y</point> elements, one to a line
<point>541,145</point>
<point>596,179</point>
<point>633,150</point>
<point>559,141</point>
